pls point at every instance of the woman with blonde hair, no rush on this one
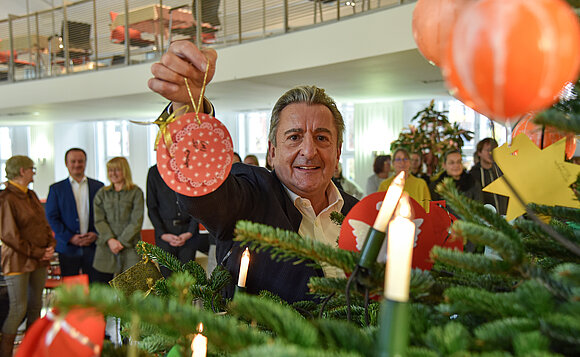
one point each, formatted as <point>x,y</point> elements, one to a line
<point>27,246</point>
<point>118,220</point>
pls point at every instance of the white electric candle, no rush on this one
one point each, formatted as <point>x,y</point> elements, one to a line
<point>244,268</point>
<point>199,343</point>
<point>399,253</point>
<point>390,202</point>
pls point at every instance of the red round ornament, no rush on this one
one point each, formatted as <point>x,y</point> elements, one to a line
<point>199,158</point>
<point>506,58</point>
<point>542,135</point>
<point>432,24</point>
<point>430,229</point>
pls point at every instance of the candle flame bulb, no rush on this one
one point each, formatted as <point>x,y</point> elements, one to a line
<point>199,343</point>
<point>400,253</point>
<point>390,202</point>
<point>244,264</point>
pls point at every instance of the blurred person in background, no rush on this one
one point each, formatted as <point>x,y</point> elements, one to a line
<point>417,167</point>
<point>382,170</point>
<point>415,187</point>
<point>485,171</point>
<point>345,184</point>
<point>453,166</point>
<point>27,247</point>
<point>69,210</point>
<point>251,160</point>
<point>118,219</point>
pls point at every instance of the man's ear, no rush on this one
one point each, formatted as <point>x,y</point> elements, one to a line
<point>271,150</point>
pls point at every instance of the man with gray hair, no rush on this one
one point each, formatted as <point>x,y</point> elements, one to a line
<point>305,140</point>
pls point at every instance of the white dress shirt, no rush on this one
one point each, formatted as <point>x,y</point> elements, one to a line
<point>81,193</point>
<point>321,227</point>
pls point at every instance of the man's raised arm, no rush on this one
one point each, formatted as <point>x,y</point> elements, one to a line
<point>182,60</point>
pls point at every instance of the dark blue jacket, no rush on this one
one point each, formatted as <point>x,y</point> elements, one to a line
<point>61,212</point>
<point>256,194</point>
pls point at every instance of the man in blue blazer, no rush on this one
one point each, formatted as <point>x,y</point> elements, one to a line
<point>69,209</point>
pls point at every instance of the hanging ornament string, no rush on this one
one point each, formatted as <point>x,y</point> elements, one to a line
<point>163,124</point>
<point>199,105</point>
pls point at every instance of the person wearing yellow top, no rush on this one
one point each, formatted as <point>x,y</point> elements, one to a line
<point>415,187</point>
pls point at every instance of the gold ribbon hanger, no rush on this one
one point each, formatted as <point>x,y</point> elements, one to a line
<point>163,123</point>
<point>198,107</point>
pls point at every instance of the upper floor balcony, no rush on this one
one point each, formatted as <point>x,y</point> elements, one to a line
<point>90,35</point>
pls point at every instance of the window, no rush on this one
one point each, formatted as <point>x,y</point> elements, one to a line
<point>5,150</point>
<point>254,128</point>
<point>347,155</point>
<point>14,140</point>
<point>112,141</point>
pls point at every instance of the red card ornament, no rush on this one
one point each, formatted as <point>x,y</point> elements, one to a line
<point>430,229</point>
<point>199,156</point>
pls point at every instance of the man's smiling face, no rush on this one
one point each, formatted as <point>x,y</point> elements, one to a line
<point>306,152</point>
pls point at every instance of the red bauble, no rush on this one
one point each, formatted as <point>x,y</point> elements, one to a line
<point>199,158</point>
<point>432,24</point>
<point>542,135</point>
<point>506,58</point>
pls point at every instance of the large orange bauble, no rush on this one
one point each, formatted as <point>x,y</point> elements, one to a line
<point>432,24</point>
<point>506,58</point>
<point>542,135</point>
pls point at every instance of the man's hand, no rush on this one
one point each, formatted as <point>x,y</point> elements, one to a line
<point>115,246</point>
<point>77,239</point>
<point>182,59</point>
<point>48,252</point>
<point>90,237</point>
<point>169,238</point>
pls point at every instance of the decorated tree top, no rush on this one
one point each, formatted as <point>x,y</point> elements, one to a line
<point>432,135</point>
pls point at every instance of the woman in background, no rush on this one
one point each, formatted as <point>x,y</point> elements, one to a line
<point>453,165</point>
<point>118,220</point>
<point>415,187</point>
<point>28,246</point>
<point>382,170</point>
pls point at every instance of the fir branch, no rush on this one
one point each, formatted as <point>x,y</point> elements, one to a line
<point>562,213</point>
<point>162,257</point>
<point>500,333</point>
<point>539,244</point>
<point>568,273</point>
<point>286,324</point>
<point>449,339</point>
<point>510,250</point>
<point>220,277</point>
<point>341,335</point>
<point>569,122</point>
<point>287,245</point>
<point>564,328</point>
<point>337,217</point>
<point>421,283</point>
<point>531,299</point>
<point>413,351</point>
<point>474,211</point>
<point>197,271</point>
<point>531,344</point>
<point>156,342</point>
<point>327,286</point>
<point>469,261</point>
<point>557,287</point>
<point>174,319</point>
<point>281,350</point>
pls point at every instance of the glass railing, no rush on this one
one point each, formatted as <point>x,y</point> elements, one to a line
<point>90,35</point>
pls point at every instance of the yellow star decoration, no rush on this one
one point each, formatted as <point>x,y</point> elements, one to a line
<point>539,176</point>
